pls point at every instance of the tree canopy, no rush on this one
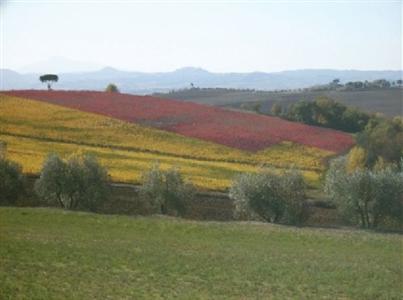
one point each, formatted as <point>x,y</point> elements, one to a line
<point>49,78</point>
<point>112,88</point>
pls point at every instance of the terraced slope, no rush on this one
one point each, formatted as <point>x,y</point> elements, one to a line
<point>239,130</point>
<point>32,129</point>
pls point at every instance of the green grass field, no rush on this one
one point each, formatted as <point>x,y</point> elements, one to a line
<point>56,254</point>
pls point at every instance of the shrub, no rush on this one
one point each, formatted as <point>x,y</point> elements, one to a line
<point>112,88</point>
<point>270,196</point>
<point>166,191</point>
<point>11,181</point>
<point>366,197</point>
<point>78,183</point>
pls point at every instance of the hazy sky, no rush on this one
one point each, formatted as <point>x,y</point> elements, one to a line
<point>219,36</point>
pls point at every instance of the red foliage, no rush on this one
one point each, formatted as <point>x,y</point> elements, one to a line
<point>241,130</point>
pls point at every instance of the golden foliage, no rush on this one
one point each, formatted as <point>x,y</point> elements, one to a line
<point>32,129</point>
<point>356,160</point>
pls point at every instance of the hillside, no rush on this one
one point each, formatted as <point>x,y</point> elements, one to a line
<point>90,256</point>
<point>32,129</point>
<point>239,130</point>
<point>387,101</point>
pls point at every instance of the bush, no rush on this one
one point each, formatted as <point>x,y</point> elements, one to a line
<point>366,197</point>
<point>270,196</point>
<point>166,191</point>
<point>11,182</point>
<point>78,183</point>
<point>112,88</point>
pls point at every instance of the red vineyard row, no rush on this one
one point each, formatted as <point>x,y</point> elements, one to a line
<point>241,130</point>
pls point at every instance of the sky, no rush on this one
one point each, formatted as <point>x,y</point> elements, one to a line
<point>220,36</point>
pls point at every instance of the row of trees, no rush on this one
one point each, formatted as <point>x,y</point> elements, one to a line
<point>364,196</point>
<point>357,85</point>
<point>80,182</point>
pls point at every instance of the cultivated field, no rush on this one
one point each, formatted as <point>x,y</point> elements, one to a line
<point>89,256</point>
<point>233,129</point>
<point>386,101</point>
<point>32,129</point>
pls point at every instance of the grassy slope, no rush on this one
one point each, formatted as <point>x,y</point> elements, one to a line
<point>48,254</point>
<point>32,129</point>
<point>387,101</point>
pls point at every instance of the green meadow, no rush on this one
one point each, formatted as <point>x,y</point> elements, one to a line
<point>56,254</point>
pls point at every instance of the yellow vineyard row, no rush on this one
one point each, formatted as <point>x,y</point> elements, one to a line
<point>32,129</point>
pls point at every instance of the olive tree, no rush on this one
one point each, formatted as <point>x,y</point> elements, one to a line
<point>11,181</point>
<point>166,191</point>
<point>272,196</point>
<point>366,197</point>
<point>77,183</point>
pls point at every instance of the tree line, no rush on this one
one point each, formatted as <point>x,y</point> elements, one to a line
<point>368,197</point>
<point>357,85</point>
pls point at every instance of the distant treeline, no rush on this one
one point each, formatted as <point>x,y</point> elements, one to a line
<point>357,85</point>
<point>188,92</point>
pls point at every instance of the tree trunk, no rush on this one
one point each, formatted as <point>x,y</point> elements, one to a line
<point>59,199</point>
<point>363,221</point>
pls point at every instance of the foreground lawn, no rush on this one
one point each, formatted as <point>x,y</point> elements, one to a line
<point>53,254</point>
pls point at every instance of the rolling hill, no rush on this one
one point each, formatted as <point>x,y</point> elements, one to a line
<point>58,254</point>
<point>32,129</point>
<point>141,82</point>
<point>239,130</point>
<point>386,101</point>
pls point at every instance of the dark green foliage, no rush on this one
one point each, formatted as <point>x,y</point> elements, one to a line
<point>78,183</point>
<point>11,182</point>
<point>166,191</point>
<point>304,112</point>
<point>270,196</point>
<point>49,78</point>
<point>112,88</point>
<point>328,113</point>
<point>353,120</point>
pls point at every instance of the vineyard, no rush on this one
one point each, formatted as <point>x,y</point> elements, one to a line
<point>239,130</point>
<point>32,129</point>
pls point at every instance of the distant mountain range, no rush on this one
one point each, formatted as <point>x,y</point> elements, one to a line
<point>143,83</point>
